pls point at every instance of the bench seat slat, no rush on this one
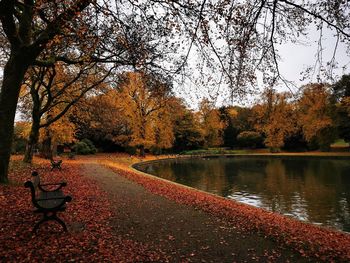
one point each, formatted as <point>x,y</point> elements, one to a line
<point>55,194</point>
<point>51,204</point>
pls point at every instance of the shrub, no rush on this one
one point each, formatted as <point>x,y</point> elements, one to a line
<point>81,148</point>
<point>90,145</point>
<point>19,146</point>
<point>250,139</point>
<point>84,147</point>
<point>130,150</point>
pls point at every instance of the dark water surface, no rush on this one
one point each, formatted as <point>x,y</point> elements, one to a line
<point>310,189</point>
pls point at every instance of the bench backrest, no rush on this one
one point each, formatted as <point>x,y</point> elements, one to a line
<point>35,179</point>
<point>33,184</point>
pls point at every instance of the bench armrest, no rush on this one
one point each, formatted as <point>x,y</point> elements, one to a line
<point>60,185</point>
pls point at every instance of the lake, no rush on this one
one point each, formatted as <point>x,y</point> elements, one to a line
<point>316,190</point>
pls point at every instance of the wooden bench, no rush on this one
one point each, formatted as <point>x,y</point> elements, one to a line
<point>56,164</point>
<point>48,199</point>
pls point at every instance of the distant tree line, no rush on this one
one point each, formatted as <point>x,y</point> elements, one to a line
<point>138,113</point>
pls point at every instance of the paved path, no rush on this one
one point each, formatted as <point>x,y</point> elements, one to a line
<point>182,232</point>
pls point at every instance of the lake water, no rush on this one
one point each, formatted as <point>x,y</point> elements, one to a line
<point>316,190</point>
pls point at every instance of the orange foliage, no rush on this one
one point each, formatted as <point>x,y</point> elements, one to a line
<point>315,115</point>
<point>212,125</point>
<point>143,100</point>
<point>275,118</point>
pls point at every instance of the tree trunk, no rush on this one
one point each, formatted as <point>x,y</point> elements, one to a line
<point>13,75</point>
<point>46,151</point>
<point>32,141</point>
<point>142,150</point>
<point>143,136</point>
<point>34,131</point>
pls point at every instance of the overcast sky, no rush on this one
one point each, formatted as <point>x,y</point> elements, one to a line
<point>295,58</point>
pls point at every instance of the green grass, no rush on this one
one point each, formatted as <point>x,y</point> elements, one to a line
<point>211,151</point>
<point>340,143</point>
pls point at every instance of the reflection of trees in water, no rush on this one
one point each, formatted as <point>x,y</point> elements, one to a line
<point>324,192</point>
<point>309,189</point>
<point>209,177</point>
<point>203,174</point>
<point>277,191</point>
<point>312,189</point>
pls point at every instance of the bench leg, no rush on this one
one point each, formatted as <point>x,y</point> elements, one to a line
<point>48,217</point>
<point>60,221</point>
<point>56,167</point>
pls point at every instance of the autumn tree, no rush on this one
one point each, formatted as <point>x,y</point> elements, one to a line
<point>276,118</point>
<point>101,119</point>
<point>237,119</point>
<point>187,130</point>
<point>227,115</point>
<point>316,115</point>
<point>58,132</point>
<point>211,123</point>
<point>341,99</point>
<point>144,97</point>
<point>163,130</point>
<point>53,91</point>
<point>33,33</point>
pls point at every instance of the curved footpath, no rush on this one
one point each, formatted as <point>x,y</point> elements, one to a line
<point>183,233</point>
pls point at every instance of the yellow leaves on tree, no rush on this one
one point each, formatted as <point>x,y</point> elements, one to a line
<point>275,118</point>
<point>212,125</point>
<point>144,100</point>
<point>61,131</point>
<point>22,129</point>
<point>315,113</point>
<point>313,108</point>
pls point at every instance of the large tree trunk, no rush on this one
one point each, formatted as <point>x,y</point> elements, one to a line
<point>13,75</point>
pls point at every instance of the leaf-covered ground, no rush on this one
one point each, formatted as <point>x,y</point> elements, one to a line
<point>113,219</point>
<point>89,239</point>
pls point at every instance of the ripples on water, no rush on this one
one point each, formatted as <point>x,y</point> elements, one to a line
<point>309,189</point>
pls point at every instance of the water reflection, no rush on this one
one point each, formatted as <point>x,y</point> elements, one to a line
<point>314,190</point>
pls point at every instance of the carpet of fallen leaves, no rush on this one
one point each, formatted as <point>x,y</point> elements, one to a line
<point>309,240</point>
<point>89,238</point>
